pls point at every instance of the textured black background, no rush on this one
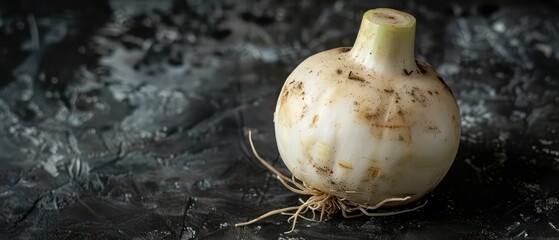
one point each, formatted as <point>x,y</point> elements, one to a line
<point>123,119</point>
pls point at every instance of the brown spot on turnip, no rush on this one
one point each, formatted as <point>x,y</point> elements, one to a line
<point>355,77</point>
<point>345,49</point>
<point>339,71</point>
<point>305,108</point>
<point>407,73</point>
<point>420,67</point>
<point>388,126</point>
<point>299,86</point>
<point>374,172</point>
<point>321,170</point>
<point>418,95</point>
<point>314,121</point>
<point>345,165</point>
<point>432,128</point>
<point>284,96</point>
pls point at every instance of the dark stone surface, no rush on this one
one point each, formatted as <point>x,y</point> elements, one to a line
<point>123,119</point>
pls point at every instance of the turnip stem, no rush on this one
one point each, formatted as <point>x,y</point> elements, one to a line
<point>385,42</point>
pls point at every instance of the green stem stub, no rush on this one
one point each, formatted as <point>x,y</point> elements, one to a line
<point>385,42</point>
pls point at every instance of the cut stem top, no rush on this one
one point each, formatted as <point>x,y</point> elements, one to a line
<point>385,42</point>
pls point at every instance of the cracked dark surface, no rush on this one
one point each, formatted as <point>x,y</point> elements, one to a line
<point>123,119</point>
